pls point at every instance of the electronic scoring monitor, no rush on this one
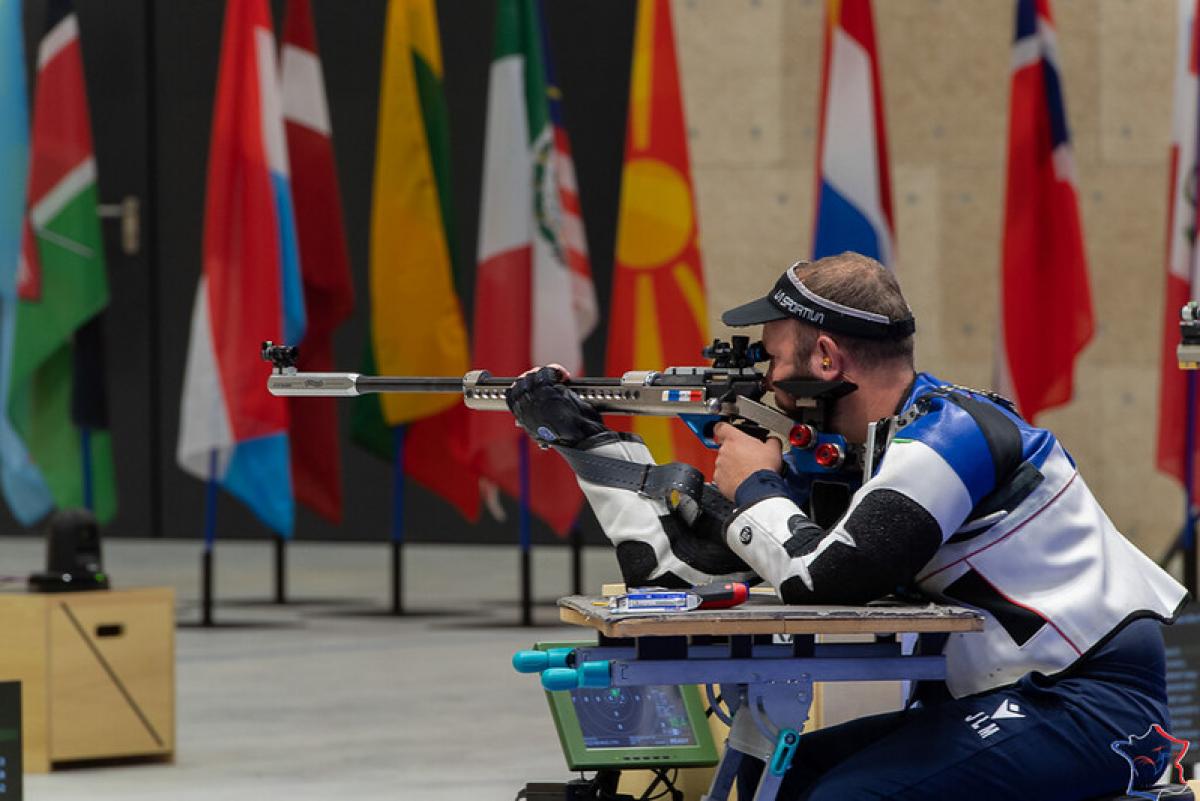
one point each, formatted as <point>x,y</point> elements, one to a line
<point>631,727</point>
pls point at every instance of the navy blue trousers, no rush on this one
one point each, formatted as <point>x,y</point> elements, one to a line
<point>1035,740</point>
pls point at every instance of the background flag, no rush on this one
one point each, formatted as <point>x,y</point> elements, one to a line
<point>658,315</point>
<point>24,488</point>
<point>1174,406</point>
<point>417,325</point>
<point>561,212</point>
<point>525,287</point>
<point>1046,306</point>
<point>325,263</point>
<point>56,394</point>
<point>854,190</point>
<point>231,429</point>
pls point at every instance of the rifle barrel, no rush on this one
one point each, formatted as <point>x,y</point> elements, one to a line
<point>351,384</point>
<point>387,383</point>
<point>632,393</point>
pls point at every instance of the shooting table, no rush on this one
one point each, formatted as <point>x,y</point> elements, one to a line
<point>734,649</point>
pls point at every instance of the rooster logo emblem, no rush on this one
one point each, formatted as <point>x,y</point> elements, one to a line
<point>1148,755</point>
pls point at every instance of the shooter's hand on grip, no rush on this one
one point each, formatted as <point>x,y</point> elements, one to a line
<point>549,410</point>
<point>741,455</point>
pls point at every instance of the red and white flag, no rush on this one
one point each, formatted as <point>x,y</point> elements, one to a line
<point>230,430</point>
<point>1046,303</point>
<point>324,261</point>
<point>854,188</point>
<point>1182,269</point>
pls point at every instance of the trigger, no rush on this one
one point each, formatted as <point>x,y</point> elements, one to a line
<point>753,429</point>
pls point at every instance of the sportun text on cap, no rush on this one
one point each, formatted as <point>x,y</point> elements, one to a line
<point>792,299</point>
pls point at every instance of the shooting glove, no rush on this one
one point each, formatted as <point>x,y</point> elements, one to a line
<point>550,411</point>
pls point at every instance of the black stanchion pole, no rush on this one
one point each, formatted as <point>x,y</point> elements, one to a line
<point>1187,537</point>
<point>398,520</point>
<point>206,587</point>
<point>525,525</point>
<point>397,577</point>
<point>576,560</point>
<point>210,539</point>
<point>280,569</point>
<point>1189,555</point>
<point>526,588</point>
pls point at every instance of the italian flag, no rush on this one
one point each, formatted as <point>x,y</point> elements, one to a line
<point>525,311</point>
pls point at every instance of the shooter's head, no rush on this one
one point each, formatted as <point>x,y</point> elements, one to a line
<point>839,318</point>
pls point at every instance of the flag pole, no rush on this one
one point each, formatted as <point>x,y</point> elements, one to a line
<point>398,521</point>
<point>85,453</point>
<point>210,538</point>
<point>1187,537</point>
<point>525,534</point>
<point>576,558</point>
<point>280,569</point>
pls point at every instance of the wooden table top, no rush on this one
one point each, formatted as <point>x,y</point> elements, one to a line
<point>766,615</point>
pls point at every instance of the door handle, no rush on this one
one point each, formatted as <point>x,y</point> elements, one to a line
<point>129,212</point>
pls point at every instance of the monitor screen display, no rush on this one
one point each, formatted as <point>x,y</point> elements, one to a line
<point>630,727</point>
<point>633,717</point>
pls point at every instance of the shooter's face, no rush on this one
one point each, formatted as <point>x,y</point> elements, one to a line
<point>781,341</point>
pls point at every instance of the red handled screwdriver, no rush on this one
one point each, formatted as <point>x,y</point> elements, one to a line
<point>721,594</point>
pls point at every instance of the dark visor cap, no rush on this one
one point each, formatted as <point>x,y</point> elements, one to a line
<point>791,299</point>
<point>756,312</point>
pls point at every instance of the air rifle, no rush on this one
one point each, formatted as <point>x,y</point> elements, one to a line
<point>729,390</point>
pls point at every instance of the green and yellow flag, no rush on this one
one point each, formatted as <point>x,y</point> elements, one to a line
<point>417,323</point>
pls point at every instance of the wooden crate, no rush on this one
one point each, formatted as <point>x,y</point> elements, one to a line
<point>97,673</point>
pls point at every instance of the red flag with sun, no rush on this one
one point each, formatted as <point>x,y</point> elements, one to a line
<point>658,316</point>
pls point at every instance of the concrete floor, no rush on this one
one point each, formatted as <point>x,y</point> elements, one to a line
<point>327,700</point>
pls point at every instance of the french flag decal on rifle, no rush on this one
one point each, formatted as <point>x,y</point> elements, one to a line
<point>683,395</point>
<point>854,190</point>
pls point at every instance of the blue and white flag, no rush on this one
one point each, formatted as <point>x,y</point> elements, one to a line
<point>25,490</point>
<point>232,431</point>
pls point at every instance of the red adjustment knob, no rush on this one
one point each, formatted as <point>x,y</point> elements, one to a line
<point>829,455</point>
<point>802,436</point>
